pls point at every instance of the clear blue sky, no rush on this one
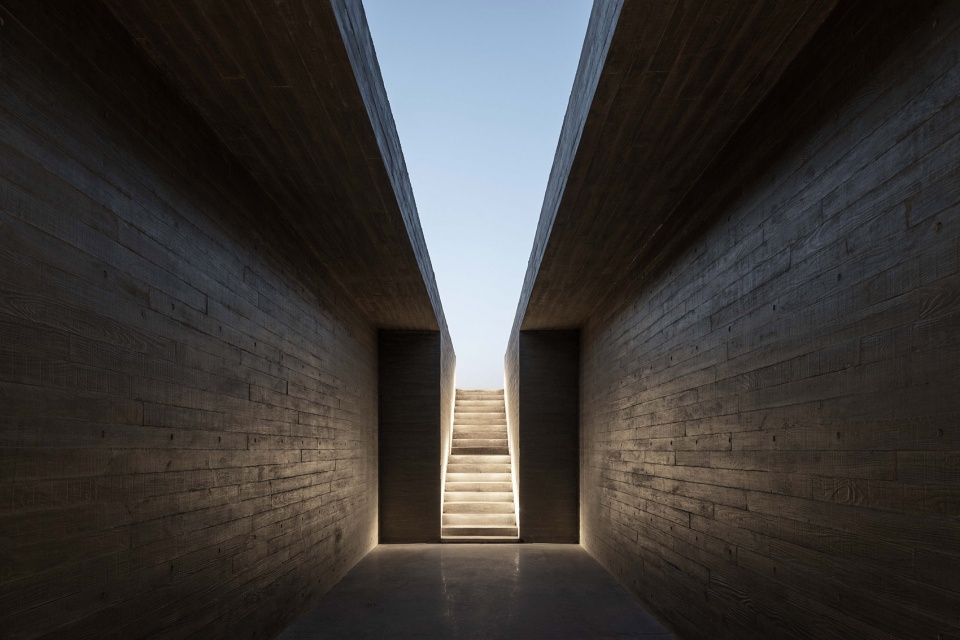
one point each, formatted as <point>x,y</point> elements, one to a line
<point>478,89</point>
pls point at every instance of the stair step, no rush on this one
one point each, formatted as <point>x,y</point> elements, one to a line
<point>499,428</point>
<point>479,442</point>
<point>480,451</point>
<point>479,486</point>
<point>471,519</point>
<point>462,426</point>
<point>489,392</point>
<point>492,531</point>
<point>482,426</point>
<point>478,477</point>
<point>492,407</point>
<point>456,458</point>
<point>480,432</point>
<point>491,416</point>
<point>478,404</point>
<point>478,507</point>
<point>478,496</point>
<point>478,468</point>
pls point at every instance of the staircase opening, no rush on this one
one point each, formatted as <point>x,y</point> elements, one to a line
<point>478,496</point>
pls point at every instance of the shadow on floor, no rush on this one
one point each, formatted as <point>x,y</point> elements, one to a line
<point>477,591</point>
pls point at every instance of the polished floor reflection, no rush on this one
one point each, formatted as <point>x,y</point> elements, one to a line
<point>477,591</point>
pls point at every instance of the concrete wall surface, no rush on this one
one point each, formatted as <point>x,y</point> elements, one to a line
<point>769,422</point>
<point>548,436</point>
<point>188,416</point>
<point>410,442</point>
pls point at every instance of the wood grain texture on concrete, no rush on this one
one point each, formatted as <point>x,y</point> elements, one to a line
<point>769,416</point>
<point>188,391</point>
<point>661,89</point>
<point>410,456</point>
<point>293,90</point>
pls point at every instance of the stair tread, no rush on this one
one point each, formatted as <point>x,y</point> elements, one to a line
<point>500,487</point>
<point>467,507</point>
<point>479,530</point>
<point>481,476</point>
<point>461,426</point>
<point>471,460</point>
<point>480,414</point>
<point>479,451</point>
<point>479,467</point>
<point>470,519</point>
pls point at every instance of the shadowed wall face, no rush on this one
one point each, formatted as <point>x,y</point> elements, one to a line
<point>548,419</point>
<point>187,421</point>
<point>411,409</point>
<point>769,428</point>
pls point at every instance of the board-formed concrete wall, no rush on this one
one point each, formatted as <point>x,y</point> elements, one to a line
<point>770,426</point>
<point>541,377</point>
<point>410,435</point>
<point>188,423</point>
<point>548,436</point>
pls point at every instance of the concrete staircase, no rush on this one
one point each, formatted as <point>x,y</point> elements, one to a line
<point>478,493</point>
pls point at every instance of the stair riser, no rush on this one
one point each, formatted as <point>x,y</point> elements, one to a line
<point>478,468</point>
<point>478,507</point>
<point>499,428</point>
<point>484,442</point>
<point>492,416</point>
<point>479,451</point>
<point>496,487</point>
<point>491,406</point>
<point>477,433</point>
<point>471,459</point>
<point>468,519</point>
<point>480,442</point>
<point>478,477</point>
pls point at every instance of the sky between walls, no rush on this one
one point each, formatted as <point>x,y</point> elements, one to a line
<point>478,89</point>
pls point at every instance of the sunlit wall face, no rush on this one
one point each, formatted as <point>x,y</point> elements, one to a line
<point>478,92</point>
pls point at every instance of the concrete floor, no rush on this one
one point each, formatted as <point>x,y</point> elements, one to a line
<point>477,591</point>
